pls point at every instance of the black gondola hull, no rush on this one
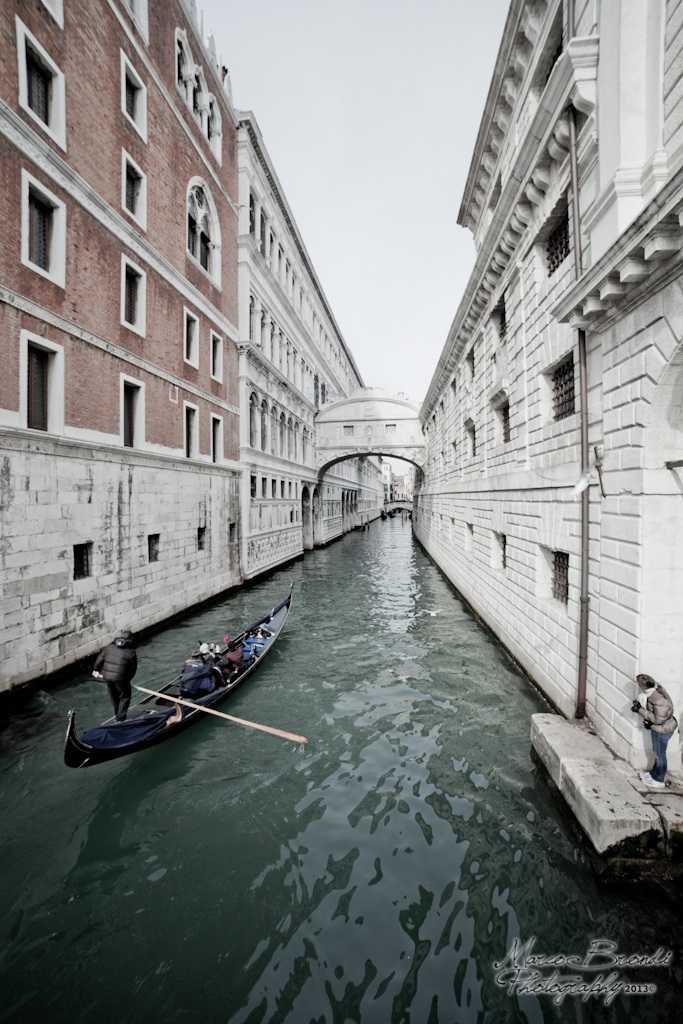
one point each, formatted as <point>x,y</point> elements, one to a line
<point>80,754</point>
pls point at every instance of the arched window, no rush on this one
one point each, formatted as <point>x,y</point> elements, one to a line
<point>289,438</point>
<point>304,438</point>
<point>296,442</point>
<point>202,225</point>
<point>253,411</point>
<point>283,427</point>
<point>264,427</point>
<point>252,313</point>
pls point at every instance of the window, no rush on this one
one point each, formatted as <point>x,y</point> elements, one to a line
<point>191,339</point>
<point>472,436</point>
<point>41,394</point>
<point>191,441</point>
<point>264,487</point>
<point>469,359</point>
<point>82,560</point>
<point>43,235</point>
<point>133,189</point>
<point>252,486</point>
<point>201,538</point>
<point>273,488</point>
<point>38,361</point>
<point>505,422</point>
<point>253,420</point>
<point>282,488</point>
<point>264,425</point>
<point>563,389</point>
<point>560,577</point>
<point>130,399</point>
<point>216,356</point>
<point>41,86</point>
<point>133,296</point>
<point>201,229</point>
<point>252,214</point>
<point>153,547</point>
<point>216,438</point>
<point>503,541</point>
<point>557,248</point>
<point>133,97</point>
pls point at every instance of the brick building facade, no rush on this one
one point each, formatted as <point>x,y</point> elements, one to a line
<point>119,398</point>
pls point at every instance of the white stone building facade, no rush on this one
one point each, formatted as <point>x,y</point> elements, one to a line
<point>552,495</point>
<point>293,363</point>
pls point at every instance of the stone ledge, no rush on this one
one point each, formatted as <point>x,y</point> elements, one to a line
<point>618,813</point>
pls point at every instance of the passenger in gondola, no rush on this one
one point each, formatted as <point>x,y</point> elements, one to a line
<point>234,656</point>
<point>118,663</point>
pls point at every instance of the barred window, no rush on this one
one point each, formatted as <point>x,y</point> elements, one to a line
<point>560,581</point>
<point>505,420</point>
<point>563,389</point>
<point>557,248</point>
<point>348,430</point>
<point>82,561</point>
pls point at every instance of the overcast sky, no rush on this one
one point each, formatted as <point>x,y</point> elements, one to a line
<point>369,110</point>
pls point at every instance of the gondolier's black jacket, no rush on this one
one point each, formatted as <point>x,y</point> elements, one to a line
<point>118,662</point>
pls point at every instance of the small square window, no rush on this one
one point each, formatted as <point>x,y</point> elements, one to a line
<point>153,547</point>
<point>82,561</point>
<point>133,97</point>
<point>201,538</point>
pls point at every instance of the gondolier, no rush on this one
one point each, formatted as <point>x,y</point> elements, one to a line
<point>117,665</point>
<point>166,713</point>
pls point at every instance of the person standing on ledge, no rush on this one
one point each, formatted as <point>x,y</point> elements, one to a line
<point>118,663</point>
<point>658,716</point>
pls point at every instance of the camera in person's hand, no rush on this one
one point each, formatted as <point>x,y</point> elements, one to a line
<point>635,706</point>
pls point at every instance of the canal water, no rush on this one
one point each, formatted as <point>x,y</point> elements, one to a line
<point>403,867</point>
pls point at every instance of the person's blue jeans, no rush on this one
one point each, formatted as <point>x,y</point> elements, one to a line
<point>660,742</point>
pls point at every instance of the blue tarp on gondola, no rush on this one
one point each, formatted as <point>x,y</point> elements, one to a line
<point>108,737</point>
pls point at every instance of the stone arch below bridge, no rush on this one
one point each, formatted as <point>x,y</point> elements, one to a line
<point>369,422</point>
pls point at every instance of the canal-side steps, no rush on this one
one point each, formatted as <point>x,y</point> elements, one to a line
<point>621,817</point>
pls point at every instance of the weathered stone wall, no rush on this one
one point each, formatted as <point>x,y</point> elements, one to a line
<point>55,494</point>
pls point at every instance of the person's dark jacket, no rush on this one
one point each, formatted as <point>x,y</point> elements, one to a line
<point>118,662</point>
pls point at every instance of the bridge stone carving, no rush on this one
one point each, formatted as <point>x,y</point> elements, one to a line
<point>368,422</point>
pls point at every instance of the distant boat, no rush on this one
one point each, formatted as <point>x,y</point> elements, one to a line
<point>153,720</point>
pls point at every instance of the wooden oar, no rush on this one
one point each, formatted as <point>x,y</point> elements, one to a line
<point>221,714</point>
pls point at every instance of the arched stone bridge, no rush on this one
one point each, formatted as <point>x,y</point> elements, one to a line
<point>368,422</point>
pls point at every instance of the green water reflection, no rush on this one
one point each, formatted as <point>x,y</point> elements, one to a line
<point>376,875</point>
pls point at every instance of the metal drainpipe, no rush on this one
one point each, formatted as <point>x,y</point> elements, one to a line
<point>583,398</point>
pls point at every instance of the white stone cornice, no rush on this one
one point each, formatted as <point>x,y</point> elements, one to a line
<point>60,323</point>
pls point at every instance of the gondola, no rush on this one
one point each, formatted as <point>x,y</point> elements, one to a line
<point>153,720</point>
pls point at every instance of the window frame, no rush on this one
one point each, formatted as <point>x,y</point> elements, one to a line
<point>127,382</point>
<point>139,215</point>
<point>216,365</point>
<point>55,125</point>
<point>191,449</point>
<point>139,121</point>
<point>140,324</point>
<point>56,270</point>
<point>85,549</point>
<point>190,317</point>
<point>55,381</point>
<point>56,9</point>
